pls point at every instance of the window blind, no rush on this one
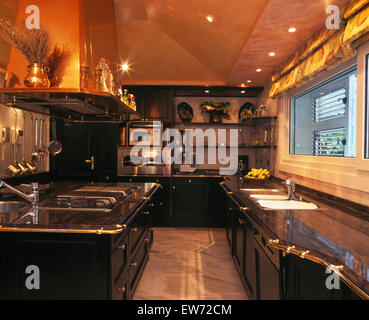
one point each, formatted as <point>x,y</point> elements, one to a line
<point>329,142</point>
<point>330,106</point>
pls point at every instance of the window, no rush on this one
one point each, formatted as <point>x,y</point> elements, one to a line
<point>323,119</point>
<point>367,109</point>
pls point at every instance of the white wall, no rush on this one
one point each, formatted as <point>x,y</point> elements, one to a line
<point>342,177</point>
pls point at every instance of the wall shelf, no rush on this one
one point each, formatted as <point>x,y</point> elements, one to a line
<point>250,122</point>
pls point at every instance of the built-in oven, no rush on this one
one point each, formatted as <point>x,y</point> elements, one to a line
<point>154,161</point>
<point>148,133</point>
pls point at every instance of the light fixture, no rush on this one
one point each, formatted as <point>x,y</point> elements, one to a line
<point>125,67</point>
<point>292,29</point>
<point>243,85</point>
<point>271,54</point>
<point>207,91</point>
<point>249,81</point>
<point>243,91</point>
<point>210,19</point>
<point>258,70</point>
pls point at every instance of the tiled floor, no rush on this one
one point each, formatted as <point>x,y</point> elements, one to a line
<point>190,264</point>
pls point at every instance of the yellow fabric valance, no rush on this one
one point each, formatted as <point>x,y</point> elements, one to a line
<point>354,7</point>
<point>357,26</point>
<point>316,41</point>
<point>332,53</point>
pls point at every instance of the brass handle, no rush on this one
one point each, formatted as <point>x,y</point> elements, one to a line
<point>151,205</point>
<point>160,204</point>
<point>242,221</point>
<point>134,264</point>
<point>146,213</point>
<point>122,247</point>
<point>174,187</point>
<point>92,161</point>
<point>134,230</point>
<point>147,240</point>
<point>189,181</point>
<point>123,289</point>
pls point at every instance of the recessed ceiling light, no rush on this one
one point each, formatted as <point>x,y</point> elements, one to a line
<point>210,19</point>
<point>243,85</point>
<point>249,81</point>
<point>243,91</point>
<point>271,54</point>
<point>292,29</point>
<point>207,91</point>
<point>258,70</point>
<point>125,67</point>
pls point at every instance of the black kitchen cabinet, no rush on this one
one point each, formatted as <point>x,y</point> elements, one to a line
<point>153,103</point>
<point>76,266</point>
<point>190,201</point>
<point>306,280</point>
<point>89,151</point>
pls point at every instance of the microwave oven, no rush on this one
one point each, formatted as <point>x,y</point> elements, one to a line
<point>148,133</point>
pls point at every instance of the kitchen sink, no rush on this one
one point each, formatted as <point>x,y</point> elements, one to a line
<point>11,206</point>
<point>261,190</point>
<point>287,205</point>
<point>269,197</point>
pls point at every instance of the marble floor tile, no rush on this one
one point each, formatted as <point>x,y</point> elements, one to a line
<point>190,264</point>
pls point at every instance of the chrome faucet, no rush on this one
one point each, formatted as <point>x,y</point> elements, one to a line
<point>291,188</point>
<point>32,197</point>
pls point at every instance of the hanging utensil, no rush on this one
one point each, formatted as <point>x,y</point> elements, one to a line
<point>31,167</point>
<point>13,169</point>
<point>55,146</point>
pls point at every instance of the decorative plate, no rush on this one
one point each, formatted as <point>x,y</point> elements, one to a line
<point>185,112</point>
<point>247,112</point>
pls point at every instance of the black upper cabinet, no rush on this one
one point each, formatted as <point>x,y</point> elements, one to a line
<point>89,151</point>
<point>153,103</point>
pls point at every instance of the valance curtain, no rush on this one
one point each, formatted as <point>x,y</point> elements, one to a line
<point>325,50</point>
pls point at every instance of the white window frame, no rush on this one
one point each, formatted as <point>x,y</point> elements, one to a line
<point>352,173</point>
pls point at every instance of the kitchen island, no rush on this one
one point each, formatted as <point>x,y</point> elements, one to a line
<point>79,251</point>
<point>287,254</point>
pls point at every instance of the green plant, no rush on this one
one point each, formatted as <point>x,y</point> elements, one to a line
<point>222,109</point>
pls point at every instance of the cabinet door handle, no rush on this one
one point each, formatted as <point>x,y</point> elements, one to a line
<point>146,213</point>
<point>134,230</point>
<point>243,222</point>
<point>134,264</point>
<point>151,205</point>
<point>147,240</point>
<point>122,247</point>
<point>189,181</point>
<point>123,289</point>
<point>160,204</point>
<point>174,187</point>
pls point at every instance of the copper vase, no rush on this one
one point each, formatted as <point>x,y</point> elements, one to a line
<point>37,76</point>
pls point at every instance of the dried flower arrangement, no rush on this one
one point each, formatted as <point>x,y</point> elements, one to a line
<point>34,44</point>
<point>217,111</point>
<point>57,63</point>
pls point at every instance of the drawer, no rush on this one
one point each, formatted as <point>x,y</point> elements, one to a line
<point>116,239</point>
<point>119,258</point>
<point>137,265</point>
<point>137,230</point>
<point>120,289</point>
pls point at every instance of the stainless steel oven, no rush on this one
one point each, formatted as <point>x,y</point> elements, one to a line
<point>153,163</point>
<point>148,133</point>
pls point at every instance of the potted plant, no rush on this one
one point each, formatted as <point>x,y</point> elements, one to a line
<point>217,111</point>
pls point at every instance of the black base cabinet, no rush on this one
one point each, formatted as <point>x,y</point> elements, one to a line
<point>76,266</point>
<point>268,275</point>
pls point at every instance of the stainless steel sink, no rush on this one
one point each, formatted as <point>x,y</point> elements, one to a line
<point>269,197</point>
<point>261,190</point>
<point>11,206</point>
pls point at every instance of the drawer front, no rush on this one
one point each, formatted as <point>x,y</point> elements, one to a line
<point>120,289</point>
<point>137,231</point>
<point>116,239</point>
<point>137,266</point>
<point>119,258</point>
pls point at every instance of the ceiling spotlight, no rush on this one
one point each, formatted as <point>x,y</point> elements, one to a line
<point>249,81</point>
<point>207,91</point>
<point>243,91</point>
<point>292,29</point>
<point>258,70</point>
<point>210,19</point>
<point>271,54</point>
<point>125,67</point>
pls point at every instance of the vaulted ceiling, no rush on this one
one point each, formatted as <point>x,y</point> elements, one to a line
<point>171,41</point>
